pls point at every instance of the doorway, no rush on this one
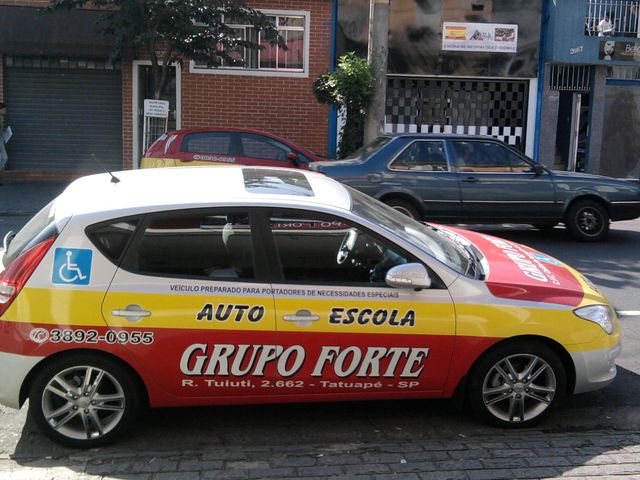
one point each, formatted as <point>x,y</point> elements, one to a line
<point>572,131</point>
<point>143,88</point>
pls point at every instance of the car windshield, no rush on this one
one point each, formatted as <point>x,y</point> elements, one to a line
<point>368,150</point>
<point>426,238</point>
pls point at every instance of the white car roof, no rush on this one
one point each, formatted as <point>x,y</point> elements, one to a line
<point>180,187</point>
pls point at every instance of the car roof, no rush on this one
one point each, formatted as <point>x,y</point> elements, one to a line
<point>140,191</point>
<point>452,136</point>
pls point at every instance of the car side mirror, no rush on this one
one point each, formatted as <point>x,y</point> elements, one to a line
<point>408,275</point>
<point>538,169</point>
<point>293,158</point>
<point>7,240</point>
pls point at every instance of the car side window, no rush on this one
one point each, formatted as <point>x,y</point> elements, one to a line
<point>481,157</point>
<point>257,146</point>
<point>518,164</point>
<point>111,238</point>
<point>320,249</point>
<point>208,142</point>
<point>214,245</point>
<point>426,156</point>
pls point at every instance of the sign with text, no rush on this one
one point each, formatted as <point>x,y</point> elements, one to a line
<point>617,51</point>
<point>156,108</point>
<point>480,37</point>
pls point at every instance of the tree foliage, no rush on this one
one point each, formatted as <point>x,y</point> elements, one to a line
<point>350,87</point>
<point>170,30</point>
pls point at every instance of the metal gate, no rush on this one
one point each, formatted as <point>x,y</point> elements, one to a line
<point>467,106</point>
<point>64,115</point>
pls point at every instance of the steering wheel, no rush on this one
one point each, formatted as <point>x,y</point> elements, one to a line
<point>348,242</point>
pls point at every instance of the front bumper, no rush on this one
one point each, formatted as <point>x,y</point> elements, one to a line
<point>624,210</point>
<point>13,370</point>
<point>595,369</point>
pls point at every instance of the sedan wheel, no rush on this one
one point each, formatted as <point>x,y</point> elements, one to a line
<point>84,402</point>
<point>404,207</point>
<point>517,385</point>
<point>587,221</point>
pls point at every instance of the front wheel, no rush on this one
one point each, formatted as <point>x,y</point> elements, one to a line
<point>83,400</point>
<point>517,385</point>
<point>587,221</point>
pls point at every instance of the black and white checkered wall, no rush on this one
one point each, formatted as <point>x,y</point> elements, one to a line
<point>474,107</point>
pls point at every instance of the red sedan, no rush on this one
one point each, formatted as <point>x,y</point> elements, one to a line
<point>210,146</point>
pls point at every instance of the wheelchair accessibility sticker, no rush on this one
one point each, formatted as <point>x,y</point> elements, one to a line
<point>72,266</point>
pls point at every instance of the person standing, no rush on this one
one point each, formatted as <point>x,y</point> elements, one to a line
<point>5,133</point>
<point>605,27</point>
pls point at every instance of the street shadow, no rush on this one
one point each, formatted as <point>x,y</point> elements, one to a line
<point>181,439</point>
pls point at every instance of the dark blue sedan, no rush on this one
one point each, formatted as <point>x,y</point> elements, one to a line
<point>467,179</point>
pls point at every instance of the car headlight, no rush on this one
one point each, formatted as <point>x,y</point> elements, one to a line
<point>600,314</point>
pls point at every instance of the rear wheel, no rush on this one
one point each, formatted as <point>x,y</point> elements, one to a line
<point>404,207</point>
<point>83,400</point>
<point>517,384</point>
<point>587,220</point>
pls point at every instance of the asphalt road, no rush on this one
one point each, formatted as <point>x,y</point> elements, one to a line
<point>591,435</point>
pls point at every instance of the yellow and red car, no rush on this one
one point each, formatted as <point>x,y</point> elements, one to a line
<point>256,285</point>
<point>225,146</point>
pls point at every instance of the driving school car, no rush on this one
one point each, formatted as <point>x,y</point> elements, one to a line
<point>256,285</point>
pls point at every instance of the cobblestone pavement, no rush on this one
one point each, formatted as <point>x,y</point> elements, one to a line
<point>509,455</point>
<point>414,440</point>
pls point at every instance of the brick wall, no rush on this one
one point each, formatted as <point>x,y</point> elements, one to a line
<point>283,106</point>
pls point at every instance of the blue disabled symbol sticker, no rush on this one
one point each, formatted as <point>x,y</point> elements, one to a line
<point>72,266</point>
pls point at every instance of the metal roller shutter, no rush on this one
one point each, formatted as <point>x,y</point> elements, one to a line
<point>61,118</point>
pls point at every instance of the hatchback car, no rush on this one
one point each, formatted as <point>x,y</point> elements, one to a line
<point>213,146</point>
<point>467,179</point>
<point>256,285</point>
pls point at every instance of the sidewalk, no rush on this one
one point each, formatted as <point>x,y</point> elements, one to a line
<point>27,197</point>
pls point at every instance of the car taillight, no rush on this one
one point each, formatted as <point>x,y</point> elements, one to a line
<point>16,275</point>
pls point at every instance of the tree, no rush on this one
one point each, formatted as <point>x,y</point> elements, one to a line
<point>349,87</point>
<point>170,30</point>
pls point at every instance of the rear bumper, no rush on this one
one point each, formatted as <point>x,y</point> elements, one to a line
<point>595,369</point>
<point>13,370</point>
<point>624,210</point>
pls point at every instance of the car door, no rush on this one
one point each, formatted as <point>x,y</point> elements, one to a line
<point>349,334</point>
<point>495,183</point>
<point>192,304</point>
<point>208,148</point>
<point>422,167</point>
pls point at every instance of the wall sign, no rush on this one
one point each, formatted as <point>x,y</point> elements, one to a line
<point>625,51</point>
<point>480,37</point>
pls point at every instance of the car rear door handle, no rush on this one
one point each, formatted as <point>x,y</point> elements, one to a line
<point>471,180</point>
<point>303,318</point>
<point>132,313</point>
<point>374,177</point>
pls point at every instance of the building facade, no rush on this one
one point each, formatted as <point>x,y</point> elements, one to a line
<point>457,66</point>
<point>591,101</point>
<point>73,111</point>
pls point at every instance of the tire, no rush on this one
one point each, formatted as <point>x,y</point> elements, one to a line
<point>500,399</point>
<point>78,415</point>
<point>587,221</point>
<point>404,207</point>
<point>545,227</point>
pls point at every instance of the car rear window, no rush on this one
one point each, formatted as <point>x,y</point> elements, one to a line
<point>207,142</point>
<point>39,228</point>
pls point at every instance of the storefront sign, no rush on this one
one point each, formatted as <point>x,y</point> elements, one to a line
<point>480,37</point>
<point>619,51</point>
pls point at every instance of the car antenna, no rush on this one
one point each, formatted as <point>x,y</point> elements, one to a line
<point>114,179</point>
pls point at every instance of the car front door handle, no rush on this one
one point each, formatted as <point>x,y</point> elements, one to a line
<point>302,318</point>
<point>132,313</point>
<point>471,180</point>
